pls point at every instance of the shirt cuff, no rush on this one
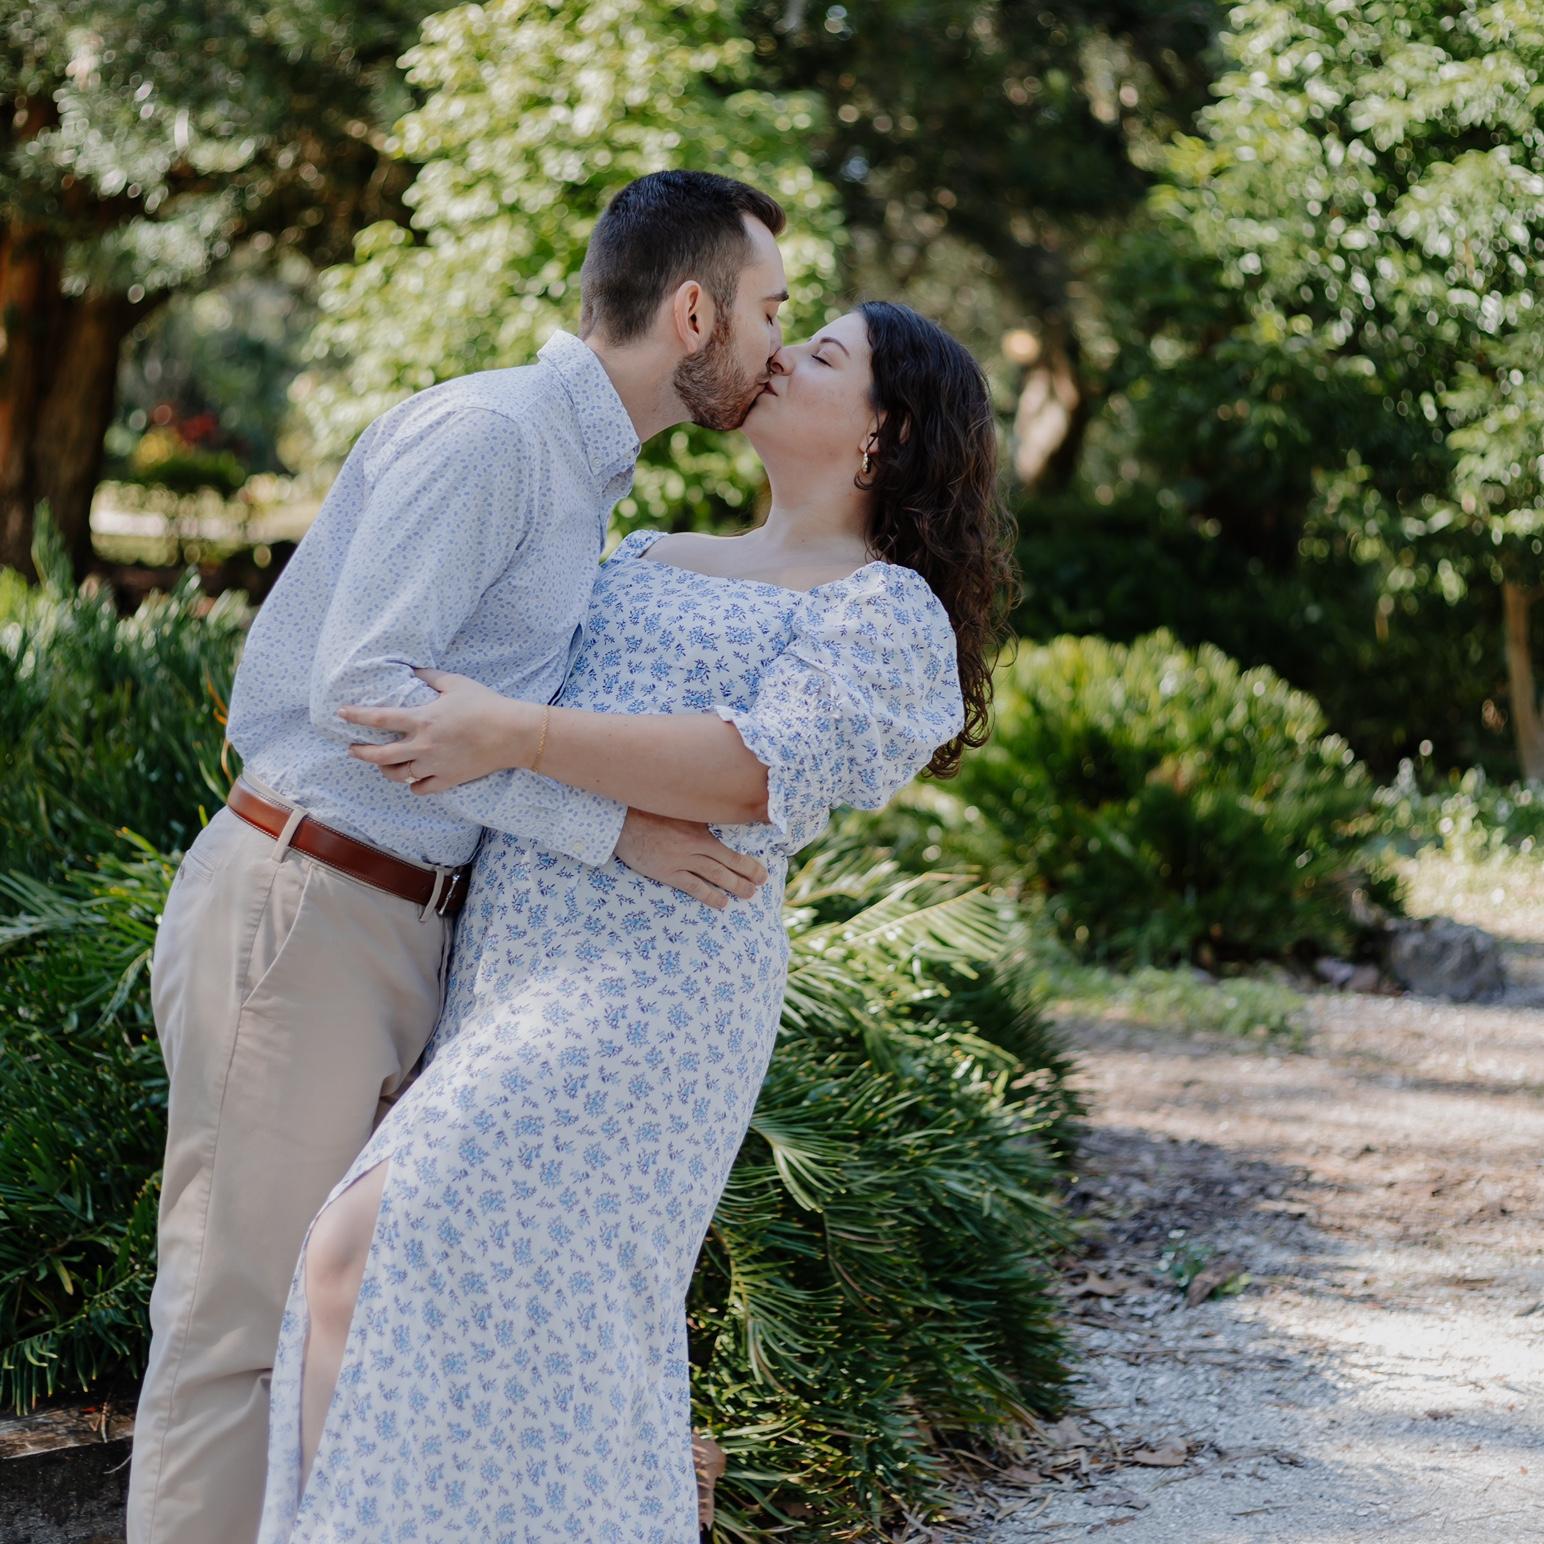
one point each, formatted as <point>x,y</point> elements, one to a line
<point>551,814</point>
<point>599,830</point>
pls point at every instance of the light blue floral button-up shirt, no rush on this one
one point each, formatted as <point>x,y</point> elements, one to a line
<point>462,534</point>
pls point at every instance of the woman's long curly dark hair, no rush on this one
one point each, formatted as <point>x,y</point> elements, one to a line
<point>936,506</point>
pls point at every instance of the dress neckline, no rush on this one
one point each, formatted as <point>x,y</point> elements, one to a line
<point>760,584</point>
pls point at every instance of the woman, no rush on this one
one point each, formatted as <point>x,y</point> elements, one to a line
<point>486,1334</point>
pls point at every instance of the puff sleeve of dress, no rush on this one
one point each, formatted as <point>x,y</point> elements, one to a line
<point>867,689</point>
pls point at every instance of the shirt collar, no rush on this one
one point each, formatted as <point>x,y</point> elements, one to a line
<point>610,441</point>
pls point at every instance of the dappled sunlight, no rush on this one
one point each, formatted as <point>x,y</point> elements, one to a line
<point>1503,893</point>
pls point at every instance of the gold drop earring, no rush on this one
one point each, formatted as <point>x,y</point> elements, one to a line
<point>868,463</point>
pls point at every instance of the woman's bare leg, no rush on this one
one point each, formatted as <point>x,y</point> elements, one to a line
<point>710,1461</point>
<point>334,1269</point>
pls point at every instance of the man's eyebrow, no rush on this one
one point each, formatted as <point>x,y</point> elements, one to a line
<point>779,298</point>
<point>837,341</point>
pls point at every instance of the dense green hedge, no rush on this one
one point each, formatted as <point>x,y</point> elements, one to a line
<point>1391,672</point>
<point>876,1281</point>
<point>107,721</point>
<point>1168,804</point>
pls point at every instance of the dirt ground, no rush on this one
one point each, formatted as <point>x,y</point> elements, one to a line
<point>1377,1201</point>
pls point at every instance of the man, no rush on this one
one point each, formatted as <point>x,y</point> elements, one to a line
<point>300,963</point>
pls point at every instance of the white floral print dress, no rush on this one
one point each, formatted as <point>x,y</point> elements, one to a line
<point>516,1369</point>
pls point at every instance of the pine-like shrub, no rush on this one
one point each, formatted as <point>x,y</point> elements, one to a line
<point>1169,804</point>
<point>106,722</point>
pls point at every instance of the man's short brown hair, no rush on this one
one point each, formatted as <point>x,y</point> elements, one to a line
<point>659,232</point>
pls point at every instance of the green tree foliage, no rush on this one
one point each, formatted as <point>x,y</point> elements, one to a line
<point>535,112</point>
<point>1393,674</point>
<point>1332,311</point>
<point>978,147</point>
<point>222,356</point>
<point>144,142</point>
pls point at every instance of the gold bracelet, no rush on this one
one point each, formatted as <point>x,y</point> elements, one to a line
<point>546,713</point>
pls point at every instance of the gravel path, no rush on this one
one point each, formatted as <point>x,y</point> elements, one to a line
<point>1379,1373</point>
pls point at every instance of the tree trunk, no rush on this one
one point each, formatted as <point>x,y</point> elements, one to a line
<point>75,414</point>
<point>29,290</point>
<point>1526,724</point>
<point>1053,409</point>
<point>58,383</point>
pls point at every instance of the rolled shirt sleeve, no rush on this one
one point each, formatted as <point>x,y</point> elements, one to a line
<point>404,592</point>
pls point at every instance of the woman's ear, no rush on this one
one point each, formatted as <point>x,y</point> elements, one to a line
<point>877,423</point>
<point>691,312</point>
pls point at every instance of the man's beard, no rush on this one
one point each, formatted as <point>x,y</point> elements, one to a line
<point>717,394</point>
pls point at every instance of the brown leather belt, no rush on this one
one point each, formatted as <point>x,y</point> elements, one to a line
<point>359,860</point>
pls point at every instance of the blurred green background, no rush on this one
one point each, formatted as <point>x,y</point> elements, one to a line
<point>1254,286</point>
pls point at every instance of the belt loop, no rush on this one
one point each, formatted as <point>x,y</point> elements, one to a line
<point>287,835</point>
<point>434,896</point>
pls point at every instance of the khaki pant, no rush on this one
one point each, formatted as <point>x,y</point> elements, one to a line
<point>292,1003</point>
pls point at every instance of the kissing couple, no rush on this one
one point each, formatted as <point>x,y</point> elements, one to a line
<point>429,1216</point>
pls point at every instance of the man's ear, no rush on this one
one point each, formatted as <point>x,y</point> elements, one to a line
<point>691,315</point>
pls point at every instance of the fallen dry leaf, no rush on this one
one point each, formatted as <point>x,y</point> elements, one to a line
<point>1018,1474</point>
<point>1066,1433</point>
<point>710,1461</point>
<point>1165,1455</point>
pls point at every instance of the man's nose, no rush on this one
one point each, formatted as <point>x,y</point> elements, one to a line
<point>780,363</point>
